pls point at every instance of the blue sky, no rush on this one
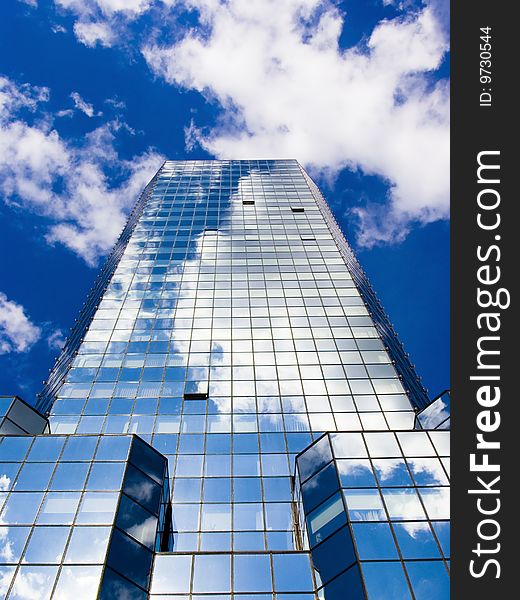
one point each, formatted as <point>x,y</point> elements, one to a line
<point>95,93</point>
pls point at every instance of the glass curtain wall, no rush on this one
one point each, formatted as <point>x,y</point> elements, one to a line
<point>231,333</point>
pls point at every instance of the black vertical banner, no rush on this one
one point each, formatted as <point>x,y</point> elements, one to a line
<point>485,253</point>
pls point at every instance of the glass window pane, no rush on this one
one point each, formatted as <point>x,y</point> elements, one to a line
<point>441,441</point>
<point>142,489</point>
<point>88,545</point>
<point>165,565</point>
<point>252,573</point>
<point>429,580</point>
<point>12,543</point>
<point>217,490</point>
<point>356,473</point>
<point>105,476</point>
<point>59,508</point>
<point>129,558</point>
<point>278,515</point>
<point>113,448</point>
<point>392,471</point>
<point>188,490</point>
<point>34,476</point>
<point>382,445</point>
<point>33,582</point>
<point>333,555</point>
<point>348,445</point>
<point>97,508</point>
<point>212,573</point>
<point>148,460</point>
<point>374,541</point>
<point>21,508</point>
<point>416,540</point>
<point>248,517</point>
<point>384,580</point>
<point>436,502</point>
<point>292,573</point>
<point>46,545</point>
<point>6,576</point>
<point>136,521</point>
<point>8,473</point>
<point>415,443</point>
<point>115,586</point>
<point>328,517</point>
<point>70,476</point>
<point>277,489</point>
<point>313,459</point>
<point>46,448</point>
<point>246,489</point>
<point>248,540</point>
<point>216,517</point>
<point>320,486</point>
<point>212,541</point>
<point>428,471</point>
<point>186,517</point>
<point>403,503</point>
<point>80,448</point>
<point>14,448</point>
<point>78,582</point>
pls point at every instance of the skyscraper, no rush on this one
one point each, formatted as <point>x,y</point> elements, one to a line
<point>232,415</point>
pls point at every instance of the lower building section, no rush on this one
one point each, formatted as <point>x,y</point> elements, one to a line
<point>374,510</point>
<point>90,517</point>
<point>81,516</point>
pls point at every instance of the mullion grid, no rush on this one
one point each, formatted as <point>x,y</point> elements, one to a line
<point>391,521</point>
<point>278,226</point>
<point>62,563</point>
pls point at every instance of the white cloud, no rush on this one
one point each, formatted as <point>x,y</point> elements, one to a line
<point>192,136</point>
<point>115,103</point>
<point>17,332</point>
<point>56,340</point>
<point>13,97</point>
<point>67,112</point>
<point>95,214</point>
<point>58,29</point>
<point>84,106</point>
<point>91,33</point>
<point>288,90</point>
<point>137,7</point>
<point>106,7</point>
<point>102,21</point>
<point>69,184</point>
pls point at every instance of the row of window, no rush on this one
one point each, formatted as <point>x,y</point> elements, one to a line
<point>125,314</point>
<point>201,350</point>
<point>238,541</point>
<point>275,295</point>
<point>257,378</point>
<point>144,424</point>
<point>242,206</point>
<point>207,267</point>
<point>222,573</point>
<point>266,405</point>
<point>253,283</point>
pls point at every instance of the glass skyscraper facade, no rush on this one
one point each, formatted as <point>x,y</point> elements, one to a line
<point>232,416</point>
